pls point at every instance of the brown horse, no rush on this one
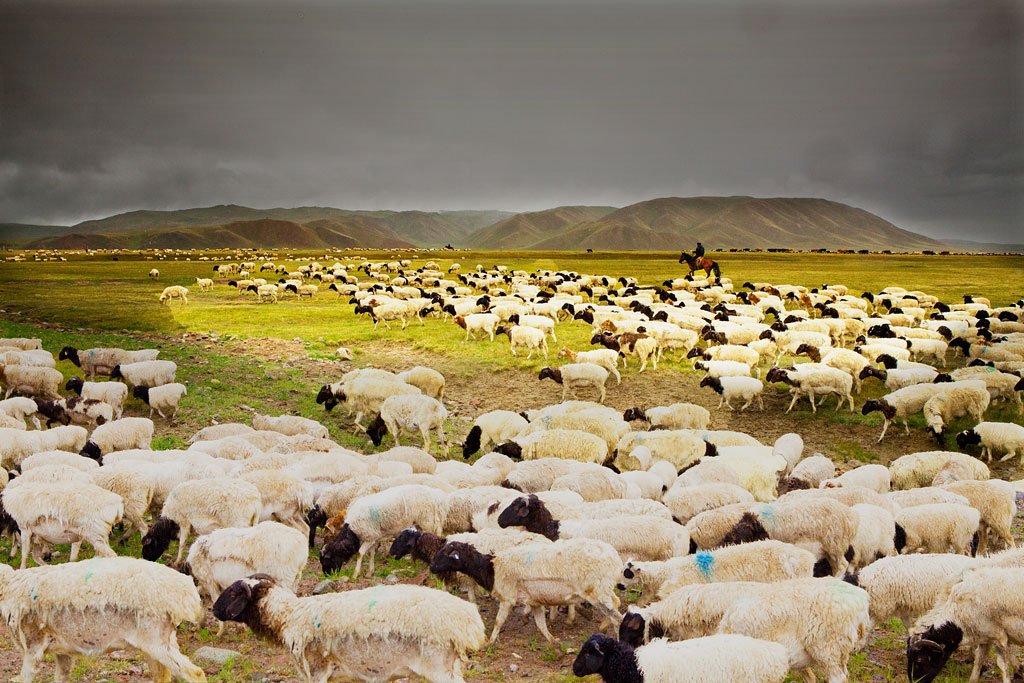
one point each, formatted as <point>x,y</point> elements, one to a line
<point>702,263</point>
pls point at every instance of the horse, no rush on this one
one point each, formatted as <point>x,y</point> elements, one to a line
<point>702,263</point>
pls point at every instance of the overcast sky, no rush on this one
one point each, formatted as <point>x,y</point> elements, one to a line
<point>911,109</point>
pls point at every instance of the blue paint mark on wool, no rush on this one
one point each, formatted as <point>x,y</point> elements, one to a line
<point>767,511</point>
<point>375,515</point>
<point>530,557</point>
<point>704,561</point>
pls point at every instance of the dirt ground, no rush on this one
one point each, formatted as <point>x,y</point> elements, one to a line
<point>521,653</point>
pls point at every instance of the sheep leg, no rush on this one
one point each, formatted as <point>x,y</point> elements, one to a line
<point>810,397</point>
<point>906,426</point>
<point>980,655</point>
<point>159,644</point>
<point>26,548</point>
<point>504,609</point>
<point>793,402</point>
<point>601,400</point>
<point>540,619</point>
<point>807,675</point>
<point>615,371</point>
<point>183,533</point>
<point>62,670</point>
<point>33,654</point>
<point>75,549</point>
<point>884,428</point>
<point>442,439</point>
<point>744,406</point>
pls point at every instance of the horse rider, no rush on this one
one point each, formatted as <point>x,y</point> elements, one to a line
<point>698,253</point>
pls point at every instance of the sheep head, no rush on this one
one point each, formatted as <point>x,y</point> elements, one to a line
<point>377,430</point>
<point>714,382</point>
<point>777,374</point>
<point>553,373</point>
<point>75,384</point>
<point>460,320</point>
<point>631,414</point>
<point>339,550</point>
<point>472,443</point>
<point>598,652</point>
<point>869,371</point>
<point>566,352</point>
<point>873,404</point>
<point>91,450</point>
<point>69,353</point>
<point>928,652</point>
<point>503,330</point>
<point>631,630</point>
<point>887,360</point>
<point>462,557</point>
<point>812,352</point>
<point>696,352</point>
<point>240,601</point>
<point>404,544</point>
<point>141,392</point>
<point>158,539</point>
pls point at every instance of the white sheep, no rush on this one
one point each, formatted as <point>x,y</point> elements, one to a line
<point>925,495</point>
<point>429,381</point>
<point>757,469</point>
<point>568,444</point>
<point>365,394</point>
<point>827,522</point>
<point>151,373</point>
<point>289,425</point>
<point>19,408</point>
<point>876,535</point>
<point>174,292</point>
<point>560,573</point>
<point>373,518</point>
<point>31,380</point>
<point>23,343</point>
<point>722,657</point>
<point>675,416</point>
<point>984,611</point>
<point>16,444</point>
<point>730,388</point>
<point>524,337</point>
<point>874,477</point>
<point>223,556</point>
<point>284,497</point>
<point>123,600</point>
<point>820,622</point>
<point>809,473</point>
<point>111,393</point>
<point>688,612</point>
<point>575,376</point>
<point>205,284</point>
<point>812,381</point>
<point>475,323</point>
<point>48,458</point>
<point>957,402</point>
<point>994,436</point>
<point>63,512</point>
<point>686,502</point>
<point>161,398</point>
<point>119,435</point>
<point>907,586</point>
<point>761,561</point>
<point>202,506</point>
<point>606,358</point>
<point>940,528</point>
<point>495,427</point>
<point>681,448</point>
<point>907,401</point>
<point>722,368</point>
<point>919,469</point>
<point>996,500</point>
<point>409,413</point>
<point>374,634</point>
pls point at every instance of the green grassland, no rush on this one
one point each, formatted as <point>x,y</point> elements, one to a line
<point>96,301</point>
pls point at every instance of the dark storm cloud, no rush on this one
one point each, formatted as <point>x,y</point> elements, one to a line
<point>909,108</point>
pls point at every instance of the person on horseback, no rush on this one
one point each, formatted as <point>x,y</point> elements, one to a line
<point>698,253</point>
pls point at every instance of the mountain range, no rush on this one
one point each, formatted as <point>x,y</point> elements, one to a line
<point>666,223</point>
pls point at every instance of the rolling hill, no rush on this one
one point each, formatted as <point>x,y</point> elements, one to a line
<point>666,223</point>
<point>421,228</point>
<point>261,233</point>
<point>523,229</point>
<point>671,223</point>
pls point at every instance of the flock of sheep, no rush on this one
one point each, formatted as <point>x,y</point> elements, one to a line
<point>743,561</point>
